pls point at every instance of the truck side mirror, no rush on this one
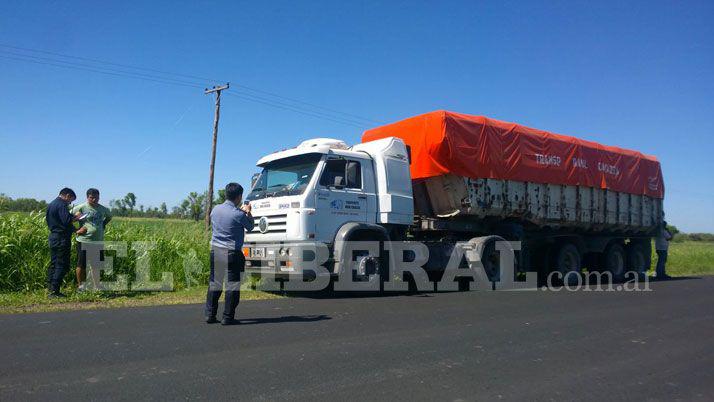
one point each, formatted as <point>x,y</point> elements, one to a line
<point>253,179</point>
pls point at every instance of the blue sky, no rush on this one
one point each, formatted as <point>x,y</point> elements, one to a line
<point>635,75</point>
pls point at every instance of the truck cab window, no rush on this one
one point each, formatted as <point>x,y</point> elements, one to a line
<point>334,170</point>
<point>341,172</point>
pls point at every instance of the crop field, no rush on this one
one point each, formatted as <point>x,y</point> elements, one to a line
<point>181,248</point>
<point>690,258</point>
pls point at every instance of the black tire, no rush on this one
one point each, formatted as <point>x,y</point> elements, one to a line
<point>568,262</point>
<point>639,258</point>
<point>489,257</point>
<point>367,266</point>
<point>491,260</point>
<point>373,265</point>
<point>614,260</point>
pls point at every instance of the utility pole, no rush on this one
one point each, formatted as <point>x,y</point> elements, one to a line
<point>209,205</point>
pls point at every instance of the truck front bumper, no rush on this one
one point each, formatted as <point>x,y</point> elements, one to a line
<point>285,259</point>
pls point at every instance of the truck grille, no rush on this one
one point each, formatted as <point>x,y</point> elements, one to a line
<point>276,223</point>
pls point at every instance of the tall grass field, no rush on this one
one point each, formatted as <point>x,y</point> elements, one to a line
<point>181,247</point>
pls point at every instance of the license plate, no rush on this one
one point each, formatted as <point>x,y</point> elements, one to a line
<point>257,252</point>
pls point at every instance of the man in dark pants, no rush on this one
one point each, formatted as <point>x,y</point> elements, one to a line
<point>229,221</point>
<point>662,247</point>
<point>59,221</point>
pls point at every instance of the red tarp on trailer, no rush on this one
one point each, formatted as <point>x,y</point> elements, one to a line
<point>444,142</point>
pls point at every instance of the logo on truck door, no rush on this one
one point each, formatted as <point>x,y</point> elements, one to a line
<point>336,204</point>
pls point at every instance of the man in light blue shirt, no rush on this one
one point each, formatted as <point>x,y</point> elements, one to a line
<point>229,222</point>
<point>662,245</point>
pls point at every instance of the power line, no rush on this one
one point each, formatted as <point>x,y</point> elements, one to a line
<point>310,104</point>
<point>203,79</point>
<point>102,68</point>
<point>248,97</point>
<point>245,97</point>
<point>98,71</point>
<point>123,74</point>
<point>188,76</point>
<point>108,62</point>
<point>256,97</point>
<point>334,115</point>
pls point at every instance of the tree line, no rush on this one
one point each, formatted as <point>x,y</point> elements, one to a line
<point>21,204</point>
<point>191,207</point>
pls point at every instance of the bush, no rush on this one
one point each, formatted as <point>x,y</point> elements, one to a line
<point>699,236</point>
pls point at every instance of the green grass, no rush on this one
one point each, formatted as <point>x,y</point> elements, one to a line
<point>181,248</point>
<point>37,301</point>
<point>689,258</point>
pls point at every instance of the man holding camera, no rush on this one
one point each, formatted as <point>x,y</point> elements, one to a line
<point>229,221</point>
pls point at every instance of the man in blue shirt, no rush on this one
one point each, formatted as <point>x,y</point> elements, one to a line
<point>229,221</point>
<point>59,222</point>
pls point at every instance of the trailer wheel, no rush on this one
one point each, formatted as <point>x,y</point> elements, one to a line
<point>614,261</point>
<point>568,263</point>
<point>639,258</point>
<point>490,258</point>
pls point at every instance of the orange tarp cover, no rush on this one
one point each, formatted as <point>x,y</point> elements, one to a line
<point>445,142</point>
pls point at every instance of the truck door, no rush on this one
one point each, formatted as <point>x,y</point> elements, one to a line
<point>339,196</point>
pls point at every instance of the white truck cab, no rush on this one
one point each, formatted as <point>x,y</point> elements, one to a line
<point>323,191</point>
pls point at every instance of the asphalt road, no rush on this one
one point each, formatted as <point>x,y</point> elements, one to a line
<point>655,345</point>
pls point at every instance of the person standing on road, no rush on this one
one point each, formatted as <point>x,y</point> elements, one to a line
<point>229,221</point>
<point>95,218</point>
<point>662,247</point>
<point>59,222</point>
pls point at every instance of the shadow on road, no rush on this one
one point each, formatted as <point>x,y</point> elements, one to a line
<point>675,278</point>
<point>332,294</point>
<point>287,318</point>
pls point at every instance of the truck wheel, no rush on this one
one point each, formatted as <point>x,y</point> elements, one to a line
<point>366,266</point>
<point>568,263</point>
<point>639,258</point>
<point>370,265</point>
<point>614,261</point>
<point>488,255</point>
<point>491,260</point>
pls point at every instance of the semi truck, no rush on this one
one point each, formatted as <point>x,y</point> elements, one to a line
<point>447,179</point>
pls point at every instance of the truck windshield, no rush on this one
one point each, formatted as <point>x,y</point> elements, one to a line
<point>287,176</point>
